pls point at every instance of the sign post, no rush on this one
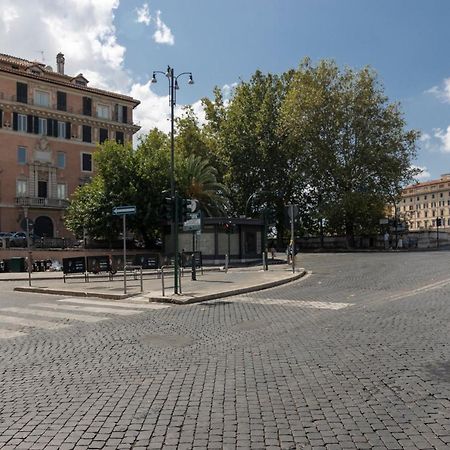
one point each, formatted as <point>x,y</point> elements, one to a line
<point>124,211</point>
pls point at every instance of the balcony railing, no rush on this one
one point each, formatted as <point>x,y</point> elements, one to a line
<point>41,202</point>
<point>69,109</point>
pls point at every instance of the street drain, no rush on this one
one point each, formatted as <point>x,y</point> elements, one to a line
<point>249,325</point>
<point>164,340</point>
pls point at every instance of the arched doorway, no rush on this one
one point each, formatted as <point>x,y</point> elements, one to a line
<point>43,227</point>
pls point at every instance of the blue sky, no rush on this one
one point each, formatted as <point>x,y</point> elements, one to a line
<point>117,45</point>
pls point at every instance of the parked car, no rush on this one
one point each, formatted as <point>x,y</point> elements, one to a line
<point>5,235</point>
<point>18,239</point>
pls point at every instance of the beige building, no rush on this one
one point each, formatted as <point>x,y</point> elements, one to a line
<point>50,125</point>
<point>423,203</point>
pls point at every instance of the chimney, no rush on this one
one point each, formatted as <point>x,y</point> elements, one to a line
<point>60,63</point>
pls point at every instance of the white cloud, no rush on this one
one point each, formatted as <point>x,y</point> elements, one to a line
<point>163,34</point>
<point>441,92</point>
<point>81,29</point>
<point>143,14</point>
<point>8,15</point>
<point>423,175</point>
<point>444,137</point>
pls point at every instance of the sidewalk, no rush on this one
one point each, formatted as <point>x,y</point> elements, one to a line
<point>214,283</point>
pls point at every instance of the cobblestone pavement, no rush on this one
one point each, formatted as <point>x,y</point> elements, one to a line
<point>354,356</point>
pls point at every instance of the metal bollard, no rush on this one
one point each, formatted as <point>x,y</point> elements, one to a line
<point>194,272</point>
<point>226,263</point>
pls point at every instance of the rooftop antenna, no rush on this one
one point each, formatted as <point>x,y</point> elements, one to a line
<point>42,55</point>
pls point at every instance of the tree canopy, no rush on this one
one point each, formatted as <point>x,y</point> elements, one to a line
<point>325,138</point>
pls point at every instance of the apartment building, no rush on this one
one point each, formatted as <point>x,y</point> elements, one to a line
<point>422,204</point>
<point>50,125</point>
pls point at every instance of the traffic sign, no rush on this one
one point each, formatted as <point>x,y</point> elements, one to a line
<point>23,224</point>
<point>123,210</point>
<point>192,225</point>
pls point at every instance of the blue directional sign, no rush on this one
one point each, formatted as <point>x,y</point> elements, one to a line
<point>123,210</point>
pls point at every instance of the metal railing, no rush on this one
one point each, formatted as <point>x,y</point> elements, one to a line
<point>42,202</point>
<point>135,270</point>
<point>162,278</point>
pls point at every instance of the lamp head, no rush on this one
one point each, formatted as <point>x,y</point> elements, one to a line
<point>154,80</point>
<point>191,80</point>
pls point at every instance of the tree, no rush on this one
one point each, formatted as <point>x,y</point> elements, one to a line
<point>248,150</point>
<point>348,142</point>
<point>196,179</point>
<point>124,177</point>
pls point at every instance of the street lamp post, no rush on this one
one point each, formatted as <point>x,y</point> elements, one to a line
<point>173,87</point>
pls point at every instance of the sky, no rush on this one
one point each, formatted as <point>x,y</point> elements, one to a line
<point>117,44</point>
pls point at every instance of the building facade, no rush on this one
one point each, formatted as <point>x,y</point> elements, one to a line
<point>422,204</point>
<point>50,126</point>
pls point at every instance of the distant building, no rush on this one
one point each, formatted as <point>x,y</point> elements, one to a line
<point>423,203</point>
<point>50,124</point>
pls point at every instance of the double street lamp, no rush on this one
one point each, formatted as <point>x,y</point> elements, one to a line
<point>173,87</point>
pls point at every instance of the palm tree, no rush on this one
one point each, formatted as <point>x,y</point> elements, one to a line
<point>197,179</point>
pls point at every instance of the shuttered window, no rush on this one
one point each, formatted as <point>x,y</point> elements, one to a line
<point>61,101</point>
<point>87,106</point>
<point>103,135</point>
<point>87,133</point>
<point>119,137</point>
<point>22,92</point>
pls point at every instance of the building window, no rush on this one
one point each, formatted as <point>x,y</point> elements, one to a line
<point>61,160</point>
<point>21,188</point>
<point>122,113</point>
<point>103,111</point>
<point>42,98</point>
<point>441,194</point>
<point>119,137</point>
<point>417,198</point>
<point>87,133</point>
<point>62,130</point>
<point>21,122</point>
<point>426,213</point>
<point>424,197</point>
<point>61,191</point>
<point>103,135</point>
<point>61,101</point>
<point>42,126</point>
<point>22,92</point>
<point>432,195</point>
<point>21,155</point>
<point>442,212</point>
<point>87,106</point>
<point>86,162</point>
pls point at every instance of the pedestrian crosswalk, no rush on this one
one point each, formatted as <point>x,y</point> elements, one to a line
<point>17,321</point>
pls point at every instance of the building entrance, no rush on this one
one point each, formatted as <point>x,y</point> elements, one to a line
<point>43,227</point>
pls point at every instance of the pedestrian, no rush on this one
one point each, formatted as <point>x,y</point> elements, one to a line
<point>272,252</point>
<point>386,240</point>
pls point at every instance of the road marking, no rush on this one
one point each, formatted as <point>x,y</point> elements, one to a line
<point>427,287</point>
<point>33,323</point>
<point>114,303</point>
<point>298,303</point>
<point>94,309</point>
<point>7,334</point>
<point>53,314</point>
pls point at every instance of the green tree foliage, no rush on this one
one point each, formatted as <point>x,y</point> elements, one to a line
<point>348,142</point>
<point>124,177</point>
<point>197,179</point>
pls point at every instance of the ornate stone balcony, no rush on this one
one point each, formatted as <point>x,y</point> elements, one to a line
<point>41,202</point>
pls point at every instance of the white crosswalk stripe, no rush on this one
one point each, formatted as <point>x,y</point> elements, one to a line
<point>29,322</point>
<point>7,334</point>
<point>95,309</point>
<point>83,301</point>
<point>53,314</point>
<point>18,321</point>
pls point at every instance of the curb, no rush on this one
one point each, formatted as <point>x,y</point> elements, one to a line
<point>172,300</point>
<point>38,290</point>
<point>238,291</point>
